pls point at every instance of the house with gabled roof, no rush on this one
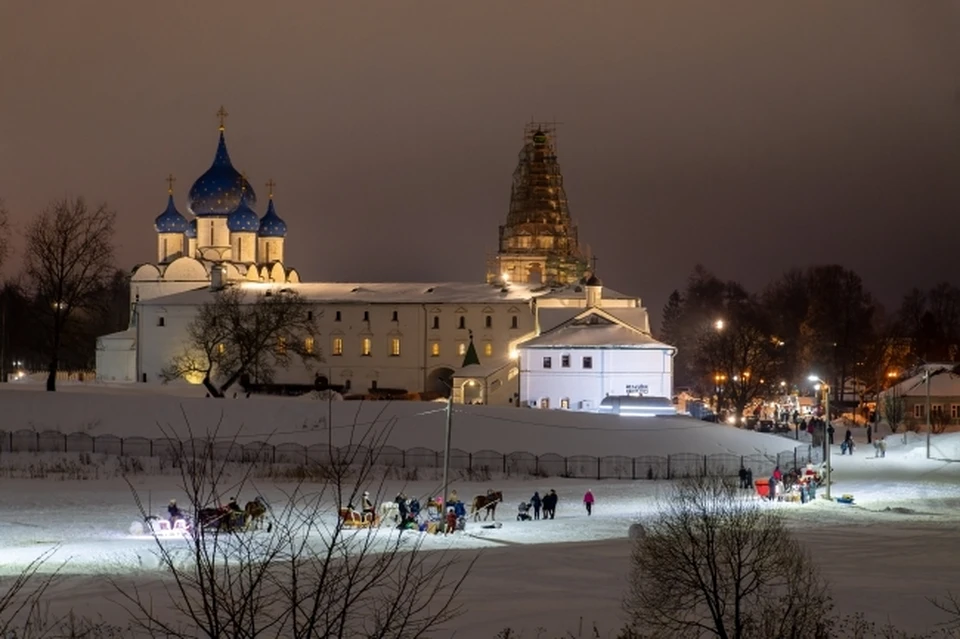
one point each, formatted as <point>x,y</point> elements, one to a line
<point>595,354</point>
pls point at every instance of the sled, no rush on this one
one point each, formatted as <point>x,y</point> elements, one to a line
<point>845,499</point>
<point>353,519</point>
<point>763,487</point>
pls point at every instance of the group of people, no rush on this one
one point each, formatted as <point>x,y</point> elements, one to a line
<point>547,505</point>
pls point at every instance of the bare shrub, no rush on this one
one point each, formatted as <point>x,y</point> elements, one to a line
<point>716,565</point>
<point>307,574</point>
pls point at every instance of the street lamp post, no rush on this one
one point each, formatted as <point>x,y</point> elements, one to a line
<point>446,455</point>
<point>826,434</point>
<point>927,376</point>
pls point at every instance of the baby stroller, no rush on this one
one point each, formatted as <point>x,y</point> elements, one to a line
<point>524,511</point>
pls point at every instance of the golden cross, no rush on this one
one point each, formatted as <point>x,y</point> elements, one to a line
<point>222,114</point>
<point>170,181</point>
<point>594,260</point>
<point>270,185</point>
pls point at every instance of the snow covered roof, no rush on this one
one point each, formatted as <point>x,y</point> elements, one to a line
<point>945,384</point>
<point>596,328</point>
<point>387,293</point>
<point>485,368</point>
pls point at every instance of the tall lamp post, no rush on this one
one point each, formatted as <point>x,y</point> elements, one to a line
<point>826,435</point>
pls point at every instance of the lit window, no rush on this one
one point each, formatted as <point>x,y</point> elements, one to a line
<point>281,346</point>
<point>588,362</point>
<point>545,403</point>
<point>395,347</point>
<point>338,346</point>
<point>308,345</point>
<point>565,361</point>
<point>461,349</point>
<point>548,362</point>
<point>565,402</point>
<point>463,322</point>
<point>221,349</point>
<point>487,349</point>
<point>514,322</point>
<point>488,321</point>
<point>435,349</point>
<point>366,347</point>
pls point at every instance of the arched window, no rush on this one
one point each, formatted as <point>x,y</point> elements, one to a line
<point>463,322</point>
<point>488,321</point>
<point>436,321</point>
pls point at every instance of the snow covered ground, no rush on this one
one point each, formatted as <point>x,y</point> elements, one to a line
<point>884,554</point>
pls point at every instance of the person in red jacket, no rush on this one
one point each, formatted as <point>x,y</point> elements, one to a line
<point>588,502</point>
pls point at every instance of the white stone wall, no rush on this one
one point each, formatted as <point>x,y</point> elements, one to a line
<point>212,232</point>
<point>269,250</point>
<point>613,371</point>
<point>244,247</point>
<point>415,368</point>
<point>169,246</point>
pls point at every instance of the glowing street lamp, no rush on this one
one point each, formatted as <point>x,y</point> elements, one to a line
<point>719,325</point>
<point>826,436</point>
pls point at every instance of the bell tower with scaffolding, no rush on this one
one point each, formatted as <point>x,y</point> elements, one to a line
<point>538,244</point>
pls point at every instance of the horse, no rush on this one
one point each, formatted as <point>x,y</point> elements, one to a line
<point>255,512</point>
<point>389,513</point>
<point>487,503</point>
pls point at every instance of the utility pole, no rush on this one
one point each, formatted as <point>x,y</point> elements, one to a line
<point>446,455</point>
<point>826,439</point>
<point>927,375</point>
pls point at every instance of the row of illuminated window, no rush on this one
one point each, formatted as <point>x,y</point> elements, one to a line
<point>936,410</point>
<point>585,362</point>
<point>366,347</point>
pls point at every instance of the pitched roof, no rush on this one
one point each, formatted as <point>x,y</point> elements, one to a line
<point>596,328</point>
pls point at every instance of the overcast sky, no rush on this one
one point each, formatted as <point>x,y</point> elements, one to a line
<point>748,136</point>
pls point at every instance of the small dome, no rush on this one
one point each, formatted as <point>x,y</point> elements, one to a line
<point>170,221</point>
<point>191,231</point>
<point>271,225</point>
<point>243,219</point>
<point>218,191</point>
<point>593,280</point>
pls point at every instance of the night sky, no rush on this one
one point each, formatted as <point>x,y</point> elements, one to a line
<point>750,137</point>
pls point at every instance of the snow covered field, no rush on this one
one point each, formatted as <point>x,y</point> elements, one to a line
<point>884,555</point>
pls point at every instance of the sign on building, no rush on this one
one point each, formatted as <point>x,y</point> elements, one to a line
<point>638,389</point>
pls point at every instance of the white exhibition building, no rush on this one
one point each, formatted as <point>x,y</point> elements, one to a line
<point>542,332</point>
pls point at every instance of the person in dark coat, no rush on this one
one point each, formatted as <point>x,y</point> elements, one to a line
<point>537,504</point>
<point>743,477</point>
<point>174,511</point>
<point>550,504</point>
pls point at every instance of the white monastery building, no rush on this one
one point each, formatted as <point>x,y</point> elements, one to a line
<point>484,342</point>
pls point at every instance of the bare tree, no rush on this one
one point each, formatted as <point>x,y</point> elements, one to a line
<point>715,565</point>
<point>306,575</point>
<point>894,408</point>
<point>68,262</point>
<point>4,233</point>
<point>241,332</point>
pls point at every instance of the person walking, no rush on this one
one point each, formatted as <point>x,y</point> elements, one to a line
<point>588,502</point>
<point>537,504</point>
<point>550,505</point>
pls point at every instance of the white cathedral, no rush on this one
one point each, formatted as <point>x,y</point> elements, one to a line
<point>490,342</point>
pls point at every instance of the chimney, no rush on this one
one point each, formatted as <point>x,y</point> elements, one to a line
<point>218,276</point>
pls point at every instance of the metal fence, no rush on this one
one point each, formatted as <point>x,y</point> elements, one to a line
<point>482,462</point>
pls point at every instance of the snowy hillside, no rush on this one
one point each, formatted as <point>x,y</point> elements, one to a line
<point>142,410</point>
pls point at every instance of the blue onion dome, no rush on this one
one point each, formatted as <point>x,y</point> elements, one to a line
<point>170,221</point>
<point>191,232</point>
<point>218,191</point>
<point>243,219</point>
<point>271,225</point>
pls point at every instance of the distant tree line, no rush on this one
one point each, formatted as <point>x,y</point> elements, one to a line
<point>66,292</point>
<point>742,345</point>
